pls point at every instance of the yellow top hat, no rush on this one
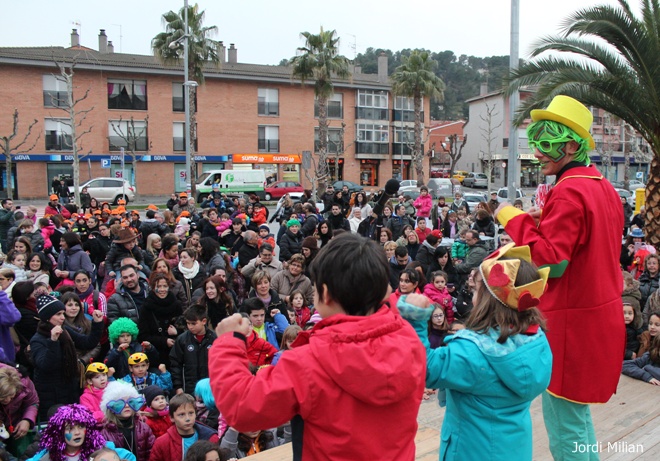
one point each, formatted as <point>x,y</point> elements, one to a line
<point>499,276</point>
<point>569,112</point>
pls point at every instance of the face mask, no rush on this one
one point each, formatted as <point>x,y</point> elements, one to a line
<point>549,145</point>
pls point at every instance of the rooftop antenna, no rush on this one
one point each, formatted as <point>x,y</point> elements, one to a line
<point>353,45</point>
<point>120,35</point>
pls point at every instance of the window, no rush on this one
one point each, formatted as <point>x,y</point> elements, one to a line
<point>334,141</point>
<point>404,140</point>
<point>179,137</point>
<point>121,134</point>
<point>178,101</point>
<point>334,108</point>
<point>127,94</point>
<point>372,139</point>
<point>372,105</point>
<point>55,92</point>
<point>268,102</point>
<point>269,139</point>
<point>404,109</point>
<point>58,135</point>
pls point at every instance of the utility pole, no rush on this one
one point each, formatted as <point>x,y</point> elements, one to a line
<point>514,100</point>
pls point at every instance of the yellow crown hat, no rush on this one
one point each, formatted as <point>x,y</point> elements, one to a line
<point>499,277</point>
<point>569,112</point>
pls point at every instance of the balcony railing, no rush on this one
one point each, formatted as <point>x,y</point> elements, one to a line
<point>370,113</point>
<point>405,115</point>
<point>56,98</point>
<point>372,148</point>
<point>58,141</point>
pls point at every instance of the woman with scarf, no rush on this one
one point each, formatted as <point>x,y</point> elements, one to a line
<point>217,299</point>
<point>57,374</point>
<point>189,272</point>
<point>158,316</point>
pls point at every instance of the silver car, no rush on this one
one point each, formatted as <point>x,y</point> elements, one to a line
<point>475,180</point>
<point>108,189</point>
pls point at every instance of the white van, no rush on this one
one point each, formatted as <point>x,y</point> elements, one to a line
<point>231,182</point>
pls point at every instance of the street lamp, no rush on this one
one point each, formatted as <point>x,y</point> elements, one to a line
<point>187,84</point>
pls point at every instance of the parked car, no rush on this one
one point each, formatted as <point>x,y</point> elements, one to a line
<point>460,175</point>
<point>441,187</point>
<point>352,187</point>
<point>408,183</point>
<point>439,173</point>
<point>633,184</point>
<point>629,196</point>
<point>109,189</point>
<point>280,188</point>
<point>503,194</point>
<point>474,197</point>
<point>476,180</point>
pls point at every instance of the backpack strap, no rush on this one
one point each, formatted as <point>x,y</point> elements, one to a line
<point>95,299</point>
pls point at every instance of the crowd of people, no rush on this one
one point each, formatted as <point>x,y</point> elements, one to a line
<point>108,318</point>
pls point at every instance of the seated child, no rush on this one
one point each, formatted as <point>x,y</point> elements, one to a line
<point>362,357</point>
<point>436,291</point>
<point>16,262</point>
<point>303,313</point>
<point>647,367</point>
<point>632,317</point>
<point>492,370</point>
<point>438,327</point>
<point>72,434</point>
<point>243,444</point>
<point>207,412</point>
<point>185,431</point>
<point>189,355</point>
<point>123,333</point>
<point>157,411</point>
<point>289,336</point>
<point>122,424</point>
<point>646,338</point>
<point>96,376</point>
<point>258,314</point>
<point>459,249</point>
<point>140,377</point>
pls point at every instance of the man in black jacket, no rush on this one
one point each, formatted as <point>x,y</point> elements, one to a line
<point>337,220</point>
<point>152,225</point>
<point>311,221</point>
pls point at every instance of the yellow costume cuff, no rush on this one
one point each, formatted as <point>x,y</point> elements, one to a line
<point>507,213</point>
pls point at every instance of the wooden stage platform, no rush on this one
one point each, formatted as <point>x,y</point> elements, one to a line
<point>630,418</point>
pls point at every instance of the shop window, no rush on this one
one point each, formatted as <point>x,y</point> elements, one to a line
<point>127,94</point>
<point>58,135</point>
<point>56,93</point>
<point>334,108</point>
<point>336,169</point>
<point>127,132</point>
<point>268,102</point>
<point>178,100</point>
<point>269,139</point>
<point>335,142</point>
<point>369,172</point>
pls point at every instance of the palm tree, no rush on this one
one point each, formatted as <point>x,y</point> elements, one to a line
<point>605,57</point>
<point>201,50</point>
<point>415,78</point>
<point>319,61</point>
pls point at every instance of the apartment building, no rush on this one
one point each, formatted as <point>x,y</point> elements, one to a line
<point>247,116</point>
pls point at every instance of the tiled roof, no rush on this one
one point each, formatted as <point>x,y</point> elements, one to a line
<point>86,58</point>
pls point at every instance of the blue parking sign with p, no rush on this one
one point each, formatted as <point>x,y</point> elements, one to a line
<point>106,163</point>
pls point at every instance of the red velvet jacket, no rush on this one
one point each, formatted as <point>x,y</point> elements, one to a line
<point>579,237</point>
<point>356,382</point>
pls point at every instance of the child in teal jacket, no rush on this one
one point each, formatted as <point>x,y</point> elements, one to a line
<point>490,372</point>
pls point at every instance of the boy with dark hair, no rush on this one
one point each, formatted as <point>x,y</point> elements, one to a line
<point>362,358</point>
<point>179,438</point>
<point>270,330</point>
<point>189,356</point>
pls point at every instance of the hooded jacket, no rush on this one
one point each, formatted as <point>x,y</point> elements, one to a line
<point>489,388</point>
<point>351,380</point>
<point>73,260</point>
<point>290,244</point>
<point>423,204</point>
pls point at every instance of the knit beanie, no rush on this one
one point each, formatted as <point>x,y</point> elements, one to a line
<point>310,242</point>
<point>47,306</point>
<point>151,392</point>
<point>292,222</point>
<point>264,226</point>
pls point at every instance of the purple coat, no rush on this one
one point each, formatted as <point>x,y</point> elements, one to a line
<point>24,406</point>
<point>9,315</point>
<point>143,436</point>
<point>73,260</point>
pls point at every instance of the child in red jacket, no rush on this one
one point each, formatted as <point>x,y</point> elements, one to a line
<point>436,291</point>
<point>362,357</point>
<point>156,410</point>
<point>260,352</point>
<point>179,438</point>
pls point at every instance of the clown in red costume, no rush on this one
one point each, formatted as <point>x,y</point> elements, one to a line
<point>578,235</point>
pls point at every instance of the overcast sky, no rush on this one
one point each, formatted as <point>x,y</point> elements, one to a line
<point>265,31</point>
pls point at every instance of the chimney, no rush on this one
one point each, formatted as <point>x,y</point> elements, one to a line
<point>483,89</point>
<point>382,67</point>
<point>75,38</point>
<point>111,47</point>
<point>222,55</point>
<point>357,69</point>
<point>233,54</point>
<point>103,42</point>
